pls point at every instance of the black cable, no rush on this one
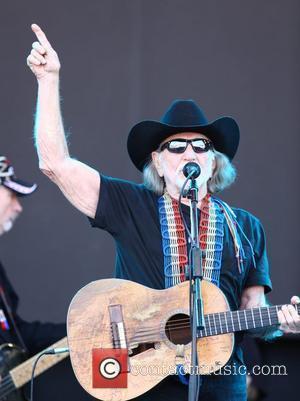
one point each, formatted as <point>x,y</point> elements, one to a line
<point>32,374</point>
<point>49,351</point>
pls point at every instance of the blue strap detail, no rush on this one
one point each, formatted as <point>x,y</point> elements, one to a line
<point>165,242</point>
<point>183,378</point>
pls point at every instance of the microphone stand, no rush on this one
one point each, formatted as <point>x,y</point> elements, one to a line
<point>196,304</point>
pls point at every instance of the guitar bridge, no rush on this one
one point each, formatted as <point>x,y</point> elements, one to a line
<point>117,326</point>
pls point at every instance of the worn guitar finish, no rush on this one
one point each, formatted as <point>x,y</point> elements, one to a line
<point>154,327</point>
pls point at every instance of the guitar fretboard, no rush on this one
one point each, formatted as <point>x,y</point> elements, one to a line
<point>229,322</point>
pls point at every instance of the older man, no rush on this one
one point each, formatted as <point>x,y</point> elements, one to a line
<point>145,221</point>
<point>30,336</point>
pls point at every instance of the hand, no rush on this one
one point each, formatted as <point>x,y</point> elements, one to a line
<point>288,317</point>
<point>42,60</point>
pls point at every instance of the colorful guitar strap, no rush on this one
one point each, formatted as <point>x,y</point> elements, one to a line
<point>211,233</point>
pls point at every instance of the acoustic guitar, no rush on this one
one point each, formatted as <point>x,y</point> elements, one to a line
<point>154,327</point>
<point>15,374</point>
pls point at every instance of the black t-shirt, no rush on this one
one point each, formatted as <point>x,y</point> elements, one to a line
<point>129,212</point>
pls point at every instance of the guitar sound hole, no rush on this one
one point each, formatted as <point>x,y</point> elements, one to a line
<point>178,329</point>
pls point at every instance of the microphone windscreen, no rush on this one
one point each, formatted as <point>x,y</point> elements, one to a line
<point>191,169</point>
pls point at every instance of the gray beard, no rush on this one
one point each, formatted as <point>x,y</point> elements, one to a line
<point>7,226</point>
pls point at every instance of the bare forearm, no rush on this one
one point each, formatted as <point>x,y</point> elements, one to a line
<point>79,182</point>
<point>49,132</point>
<point>254,297</point>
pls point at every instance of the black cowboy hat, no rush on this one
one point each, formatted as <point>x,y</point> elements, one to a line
<point>182,116</point>
<point>10,181</point>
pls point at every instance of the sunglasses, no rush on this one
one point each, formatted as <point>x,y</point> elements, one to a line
<point>199,145</point>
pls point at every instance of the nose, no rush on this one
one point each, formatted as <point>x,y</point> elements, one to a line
<point>17,205</point>
<point>189,153</point>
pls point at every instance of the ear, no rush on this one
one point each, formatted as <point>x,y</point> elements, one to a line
<point>156,161</point>
<point>213,164</point>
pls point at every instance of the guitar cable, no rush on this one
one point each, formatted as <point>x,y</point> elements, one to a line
<point>32,374</point>
<point>50,351</point>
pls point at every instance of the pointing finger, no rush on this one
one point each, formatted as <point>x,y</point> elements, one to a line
<point>41,36</point>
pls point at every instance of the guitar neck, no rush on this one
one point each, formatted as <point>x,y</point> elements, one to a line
<point>21,374</point>
<point>246,319</point>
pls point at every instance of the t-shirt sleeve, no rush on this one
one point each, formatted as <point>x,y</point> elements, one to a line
<point>115,202</point>
<point>259,275</point>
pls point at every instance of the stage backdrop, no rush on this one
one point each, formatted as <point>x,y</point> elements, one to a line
<point>124,61</point>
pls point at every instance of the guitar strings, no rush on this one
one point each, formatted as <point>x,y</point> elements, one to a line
<point>146,334</point>
<point>225,314</point>
<point>6,386</point>
<point>211,326</point>
<point>215,325</point>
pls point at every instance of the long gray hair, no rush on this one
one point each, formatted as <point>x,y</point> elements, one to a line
<point>223,176</point>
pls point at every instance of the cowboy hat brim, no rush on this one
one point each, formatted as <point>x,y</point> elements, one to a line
<point>146,136</point>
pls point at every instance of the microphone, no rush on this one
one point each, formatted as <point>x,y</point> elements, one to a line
<point>191,169</point>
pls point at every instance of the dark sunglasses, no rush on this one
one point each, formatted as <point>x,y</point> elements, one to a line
<point>199,145</point>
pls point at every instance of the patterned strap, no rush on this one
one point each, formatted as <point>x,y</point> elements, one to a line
<point>173,240</point>
<point>211,233</point>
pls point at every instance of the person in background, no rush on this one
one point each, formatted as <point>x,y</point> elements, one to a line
<point>32,337</point>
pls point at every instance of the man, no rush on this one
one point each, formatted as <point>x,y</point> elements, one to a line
<point>151,242</point>
<point>30,336</point>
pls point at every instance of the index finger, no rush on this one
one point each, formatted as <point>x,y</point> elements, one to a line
<point>41,36</point>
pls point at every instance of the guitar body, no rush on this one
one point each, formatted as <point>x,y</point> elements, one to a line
<point>149,318</point>
<point>10,356</point>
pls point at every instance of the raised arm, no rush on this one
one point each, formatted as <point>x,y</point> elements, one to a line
<point>78,182</point>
